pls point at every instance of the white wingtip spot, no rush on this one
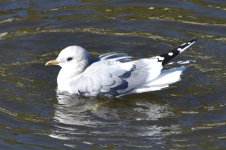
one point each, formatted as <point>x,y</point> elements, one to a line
<point>170,54</point>
<point>183,44</point>
<point>180,49</point>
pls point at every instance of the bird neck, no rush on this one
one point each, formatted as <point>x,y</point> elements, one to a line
<point>70,73</point>
<point>65,77</point>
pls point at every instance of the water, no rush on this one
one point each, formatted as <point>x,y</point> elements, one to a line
<point>188,115</point>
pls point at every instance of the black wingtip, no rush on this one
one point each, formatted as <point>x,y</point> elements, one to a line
<point>193,40</point>
<point>176,51</point>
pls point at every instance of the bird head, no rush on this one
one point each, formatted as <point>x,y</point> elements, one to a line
<point>71,57</point>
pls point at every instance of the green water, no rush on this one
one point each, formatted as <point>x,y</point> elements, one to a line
<point>190,114</point>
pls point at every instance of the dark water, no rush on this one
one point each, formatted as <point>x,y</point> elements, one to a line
<point>191,114</point>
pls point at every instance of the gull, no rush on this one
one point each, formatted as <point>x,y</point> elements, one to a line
<point>114,74</point>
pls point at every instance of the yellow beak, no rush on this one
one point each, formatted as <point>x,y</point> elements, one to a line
<point>52,62</point>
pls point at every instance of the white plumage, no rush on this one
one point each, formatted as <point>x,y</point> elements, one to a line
<point>114,74</point>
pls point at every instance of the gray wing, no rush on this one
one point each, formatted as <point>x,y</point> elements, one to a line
<point>103,78</point>
<point>114,56</point>
<point>113,78</point>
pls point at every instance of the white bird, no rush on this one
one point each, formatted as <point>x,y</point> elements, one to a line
<point>114,74</point>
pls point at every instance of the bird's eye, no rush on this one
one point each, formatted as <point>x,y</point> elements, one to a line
<point>69,58</point>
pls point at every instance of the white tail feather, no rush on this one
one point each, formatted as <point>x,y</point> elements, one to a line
<point>166,78</point>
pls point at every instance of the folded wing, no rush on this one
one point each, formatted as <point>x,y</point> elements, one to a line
<point>115,76</point>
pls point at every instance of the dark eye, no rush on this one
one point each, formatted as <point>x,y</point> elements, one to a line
<point>69,58</point>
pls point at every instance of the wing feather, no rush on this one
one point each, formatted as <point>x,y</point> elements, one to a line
<point>110,77</point>
<point>122,57</point>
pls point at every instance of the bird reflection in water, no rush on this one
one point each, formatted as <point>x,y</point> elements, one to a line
<point>89,120</point>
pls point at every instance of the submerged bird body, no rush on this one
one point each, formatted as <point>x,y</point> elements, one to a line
<point>114,74</point>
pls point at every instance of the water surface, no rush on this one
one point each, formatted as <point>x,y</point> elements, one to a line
<point>188,115</point>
